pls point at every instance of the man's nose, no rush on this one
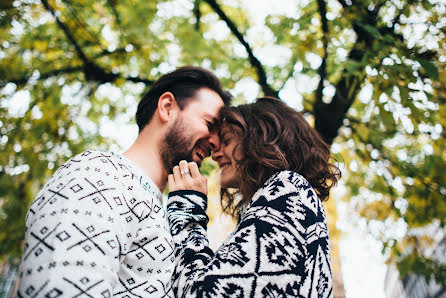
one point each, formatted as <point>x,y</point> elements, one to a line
<point>214,141</point>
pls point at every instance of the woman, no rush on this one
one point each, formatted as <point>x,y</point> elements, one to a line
<point>282,171</point>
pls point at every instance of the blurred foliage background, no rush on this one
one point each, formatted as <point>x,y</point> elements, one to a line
<point>369,75</point>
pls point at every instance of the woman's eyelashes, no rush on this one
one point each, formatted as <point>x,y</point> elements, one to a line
<point>226,139</point>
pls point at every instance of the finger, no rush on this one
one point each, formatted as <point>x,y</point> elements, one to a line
<point>171,182</point>
<point>176,174</point>
<point>194,171</point>
<point>184,168</point>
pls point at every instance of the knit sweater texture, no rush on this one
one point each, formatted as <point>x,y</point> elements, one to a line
<point>280,247</point>
<point>97,229</point>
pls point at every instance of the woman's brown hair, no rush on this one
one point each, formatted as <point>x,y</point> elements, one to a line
<point>274,137</point>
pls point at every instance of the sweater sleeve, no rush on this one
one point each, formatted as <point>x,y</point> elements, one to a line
<point>279,248</point>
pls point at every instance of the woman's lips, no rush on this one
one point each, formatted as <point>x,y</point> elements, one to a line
<point>224,166</point>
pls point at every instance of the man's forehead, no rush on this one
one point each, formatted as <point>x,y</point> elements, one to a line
<point>214,117</point>
<point>208,96</point>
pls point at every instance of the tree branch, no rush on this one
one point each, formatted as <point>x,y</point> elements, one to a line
<point>24,80</point>
<point>290,73</point>
<point>197,13</point>
<point>343,3</point>
<point>329,117</point>
<point>107,52</point>
<point>67,32</point>
<point>112,6</point>
<point>139,80</point>
<point>323,68</point>
<point>103,53</point>
<point>118,20</point>
<point>91,70</point>
<point>69,70</point>
<point>261,74</point>
<point>74,15</point>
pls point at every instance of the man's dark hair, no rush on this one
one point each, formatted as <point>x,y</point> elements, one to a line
<point>183,83</point>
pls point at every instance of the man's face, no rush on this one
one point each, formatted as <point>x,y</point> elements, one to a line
<point>193,134</point>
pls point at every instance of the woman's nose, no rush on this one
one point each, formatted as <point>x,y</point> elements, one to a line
<point>216,155</point>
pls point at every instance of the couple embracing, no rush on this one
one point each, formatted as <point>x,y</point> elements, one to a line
<point>99,228</point>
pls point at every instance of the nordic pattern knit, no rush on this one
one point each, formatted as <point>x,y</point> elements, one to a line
<point>97,229</point>
<point>279,248</point>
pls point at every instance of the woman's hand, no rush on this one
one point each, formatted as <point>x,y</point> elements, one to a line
<point>186,176</point>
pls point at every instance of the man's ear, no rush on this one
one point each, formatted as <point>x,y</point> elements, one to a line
<point>167,106</point>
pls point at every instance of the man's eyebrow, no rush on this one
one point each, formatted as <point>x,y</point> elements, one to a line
<point>211,117</point>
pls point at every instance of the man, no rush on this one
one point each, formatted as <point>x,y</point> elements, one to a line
<point>98,227</point>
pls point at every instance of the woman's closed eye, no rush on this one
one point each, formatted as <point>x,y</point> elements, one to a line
<point>227,138</point>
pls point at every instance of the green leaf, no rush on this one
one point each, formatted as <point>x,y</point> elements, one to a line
<point>372,30</point>
<point>430,68</point>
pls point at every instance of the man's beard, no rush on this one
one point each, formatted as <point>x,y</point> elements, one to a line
<point>175,147</point>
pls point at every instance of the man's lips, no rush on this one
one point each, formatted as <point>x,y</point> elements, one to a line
<point>201,152</point>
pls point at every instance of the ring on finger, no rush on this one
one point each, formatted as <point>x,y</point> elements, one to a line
<point>184,172</point>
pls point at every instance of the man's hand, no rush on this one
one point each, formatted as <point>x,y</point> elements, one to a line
<point>186,176</point>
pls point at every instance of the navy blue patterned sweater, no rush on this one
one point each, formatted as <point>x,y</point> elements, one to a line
<point>279,248</point>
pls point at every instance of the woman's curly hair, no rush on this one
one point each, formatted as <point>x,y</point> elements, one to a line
<point>274,137</point>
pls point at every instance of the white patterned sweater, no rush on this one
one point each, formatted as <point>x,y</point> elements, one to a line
<point>280,247</point>
<point>97,229</point>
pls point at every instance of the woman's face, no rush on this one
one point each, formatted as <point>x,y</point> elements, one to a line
<point>224,156</point>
